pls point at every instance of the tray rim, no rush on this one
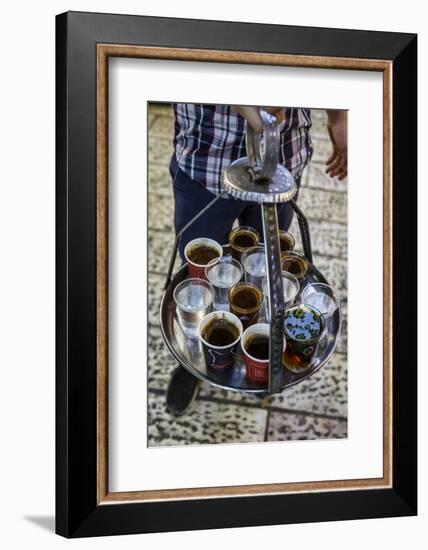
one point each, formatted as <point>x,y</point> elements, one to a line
<point>178,277</point>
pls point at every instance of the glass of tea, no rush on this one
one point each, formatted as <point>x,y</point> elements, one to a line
<point>199,253</point>
<point>254,263</point>
<point>303,327</point>
<point>290,287</point>
<point>286,241</point>
<point>193,299</point>
<point>223,273</point>
<point>255,345</point>
<point>295,263</point>
<point>242,238</point>
<point>322,297</point>
<point>245,300</point>
<point>220,333</point>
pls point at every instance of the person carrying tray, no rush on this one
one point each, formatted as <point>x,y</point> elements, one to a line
<point>207,138</point>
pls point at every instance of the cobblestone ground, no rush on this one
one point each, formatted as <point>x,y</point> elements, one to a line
<point>314,409</point>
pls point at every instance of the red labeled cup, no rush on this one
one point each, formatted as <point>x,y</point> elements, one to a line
<point>255,345</point>
<point>199,253</point>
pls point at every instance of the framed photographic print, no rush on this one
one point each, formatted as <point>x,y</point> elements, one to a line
<point>236,274</point>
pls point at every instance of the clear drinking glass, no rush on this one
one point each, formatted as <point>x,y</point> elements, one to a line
<point>223,274</point>
<point>290,286</point>
<point>193,298</point>
<point>254,263</point>
<point>322,297</point>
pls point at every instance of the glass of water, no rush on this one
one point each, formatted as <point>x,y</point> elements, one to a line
<point>254,263</point>
<point>290,287</point>
<point>223,273</point>
<point>193,298</point>
<point>322,297</point>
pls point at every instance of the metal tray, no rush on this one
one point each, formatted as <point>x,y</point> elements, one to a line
<point>188,351</point>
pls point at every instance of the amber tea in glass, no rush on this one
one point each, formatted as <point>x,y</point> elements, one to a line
<point>245,300</point>
<point>242,238</point>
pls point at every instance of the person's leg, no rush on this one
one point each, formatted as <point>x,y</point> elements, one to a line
<point>190,198</point>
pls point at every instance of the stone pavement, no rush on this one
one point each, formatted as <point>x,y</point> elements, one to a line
<point>313,409</point>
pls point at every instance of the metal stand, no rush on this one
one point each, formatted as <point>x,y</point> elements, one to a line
<point>304,231</point>
<point>276,297</point>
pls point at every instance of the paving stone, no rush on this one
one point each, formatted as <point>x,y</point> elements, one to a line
<point>322,149</point>
<point>342,344</point>
<point>155,284</point>
<point>318,179</point>
<point>335,270</point>
<point>163,109</point>
<point>325,205</point>
<point>318,117</point>
<point>151,118</point>
<point>326,392</point>
<point>160,361</point>
<point>160,183</point>
<point>163,126</point>
<point>206,423</point>
<point>160,150</point>
<point>328,238</point>
<point>287,427</point>
<point>161,214</point>
<point>160,249</point>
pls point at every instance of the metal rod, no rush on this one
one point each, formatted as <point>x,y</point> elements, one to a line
<point>304,231</point>
<point>180,233</point>
<point>276,297</point>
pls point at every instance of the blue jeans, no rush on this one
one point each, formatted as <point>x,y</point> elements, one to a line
<point>190,197</point>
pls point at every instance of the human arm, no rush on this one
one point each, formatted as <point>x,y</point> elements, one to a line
<point>252,114</point>
<point>337,125</point>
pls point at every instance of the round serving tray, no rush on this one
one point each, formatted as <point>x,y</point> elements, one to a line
<point>188,351</point>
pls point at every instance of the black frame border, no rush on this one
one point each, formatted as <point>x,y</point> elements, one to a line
<point>77,512</point>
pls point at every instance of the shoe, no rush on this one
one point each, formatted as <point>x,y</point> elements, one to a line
<point>181,392</point>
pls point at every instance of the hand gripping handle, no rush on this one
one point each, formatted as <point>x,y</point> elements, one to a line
<point>263,170</point>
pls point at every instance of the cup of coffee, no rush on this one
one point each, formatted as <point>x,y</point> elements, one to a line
<point>199,253</point>
<point>241,238</point>
<point>255,345</point>
<point>245,300</point>
<point>220,333</point>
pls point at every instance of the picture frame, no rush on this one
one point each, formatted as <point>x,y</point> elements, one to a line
<point>84,44</point>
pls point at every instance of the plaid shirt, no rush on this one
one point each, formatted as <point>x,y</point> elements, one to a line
<point>207,138</point>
